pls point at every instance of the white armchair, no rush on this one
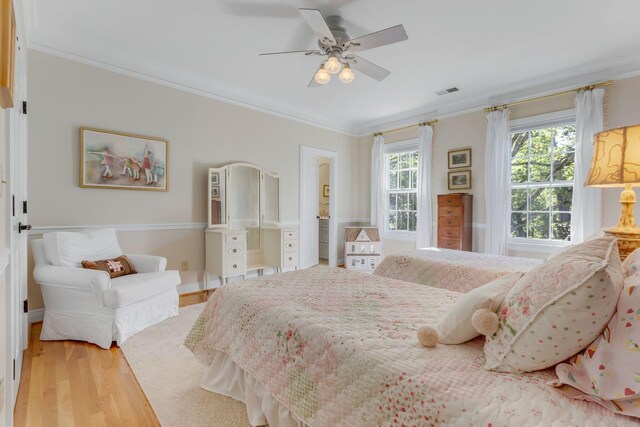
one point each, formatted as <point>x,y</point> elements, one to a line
<point>87,305</point>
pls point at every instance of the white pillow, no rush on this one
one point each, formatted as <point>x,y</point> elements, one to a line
<point>66,249</point>
<point>456,327</point>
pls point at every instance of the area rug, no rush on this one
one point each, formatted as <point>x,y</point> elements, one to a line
<point>170,377</point>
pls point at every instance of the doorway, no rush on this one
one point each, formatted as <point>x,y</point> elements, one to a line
<point>318,207</point>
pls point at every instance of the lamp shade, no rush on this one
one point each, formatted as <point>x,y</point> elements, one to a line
<point>616,158</point>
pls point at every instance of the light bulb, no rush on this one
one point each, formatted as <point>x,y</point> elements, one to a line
<point>322,77</point>
<point>333,65</point>
<point>346,75</point>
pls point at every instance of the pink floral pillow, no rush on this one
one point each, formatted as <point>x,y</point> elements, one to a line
<point>608,371</point>
<point>631,265</point>
<point>557,309</point>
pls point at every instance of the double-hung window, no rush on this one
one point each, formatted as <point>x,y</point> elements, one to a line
<point>401,188</point>
<point>541,177</point>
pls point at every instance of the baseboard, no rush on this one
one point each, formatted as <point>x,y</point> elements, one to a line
<point>36,315</point>
<point>187,288</point>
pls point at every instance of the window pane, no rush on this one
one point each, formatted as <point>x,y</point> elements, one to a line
<point>541,141</point>
<point>561,198</point>
<point>393,161</point>
<point>539,225</point>
<point>414,178</point>
<point>565,139</point>
<point>519,199</point>
<point>540,199</point>
<point>414,159</point>
<point>540,168</point>
<point>403,202</point>
<point>403,219</point>
<point>519,224</point>
<point>520,144</point>
<point>405,179</point>
<point>563,166</point>
<point>561,226</point>
<point>405,162</point>
<point>392,201</point>
<point>519,170</point>
<point>413,201</point>
<point>392,221</point>
<point>412,221</point>
<point>393,179</point>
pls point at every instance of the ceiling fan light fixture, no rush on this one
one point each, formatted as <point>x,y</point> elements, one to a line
<point>322,76</point>
<point>347,75</point>
<point>332,65</point>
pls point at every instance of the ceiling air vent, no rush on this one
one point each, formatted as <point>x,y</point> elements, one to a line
<point>447,91</point>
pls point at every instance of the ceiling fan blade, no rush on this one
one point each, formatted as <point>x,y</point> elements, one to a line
<point>379,38</point>
<point>306,52</point>
<point>369,68</point>
<point>319,26</point>
<point>313,82</point>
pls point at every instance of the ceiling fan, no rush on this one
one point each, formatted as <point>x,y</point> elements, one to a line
<point>338,47</point>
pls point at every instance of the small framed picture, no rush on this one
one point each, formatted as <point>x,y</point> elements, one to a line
<point>325,191</point>
<point>460,180</point>
<point>215,179</point>
<point>460,158</point>
<point>215,191</point>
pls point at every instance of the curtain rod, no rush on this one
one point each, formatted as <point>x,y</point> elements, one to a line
<point>539,98</point>
<point>429,123</point>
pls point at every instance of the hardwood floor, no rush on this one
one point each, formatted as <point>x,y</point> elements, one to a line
<point>71,383</point>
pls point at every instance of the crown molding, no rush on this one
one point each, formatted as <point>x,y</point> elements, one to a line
<point>151,71</point>
<point>613,69</point>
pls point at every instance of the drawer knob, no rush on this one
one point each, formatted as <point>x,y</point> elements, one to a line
<point>235,265</point>
<point>290,258</point>
<point>235,250</point>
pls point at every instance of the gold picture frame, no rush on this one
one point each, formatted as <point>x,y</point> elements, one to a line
<point>7,52</point>
<point>123,161</point>
<point>459,180</point>
<point>459,158</point>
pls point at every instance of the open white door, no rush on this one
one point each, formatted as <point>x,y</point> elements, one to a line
<point>309,205</point>
<point>309,200</point>
<point>16,237</point>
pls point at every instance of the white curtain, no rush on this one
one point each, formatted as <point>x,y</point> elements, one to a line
<point>586,204</point>
<point>424,224</point>
<point>377,182</point>
<point>496,182</point>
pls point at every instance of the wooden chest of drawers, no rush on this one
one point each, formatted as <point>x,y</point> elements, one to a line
<point>455,217</point>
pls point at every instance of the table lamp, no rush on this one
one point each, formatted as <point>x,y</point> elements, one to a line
<point>616,163</point>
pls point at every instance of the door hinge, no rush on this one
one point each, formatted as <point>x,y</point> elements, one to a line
<point>14,369</point>
<point>25,306</point>
<point>24,207</point>
<point>24,107</point>
<point>13,205</point>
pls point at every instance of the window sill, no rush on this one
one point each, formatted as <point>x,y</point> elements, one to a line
<point>408,236</point>
<point>533,245</point>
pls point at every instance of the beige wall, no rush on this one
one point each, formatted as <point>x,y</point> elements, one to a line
<point>65,95</point>
<point>469,130</point>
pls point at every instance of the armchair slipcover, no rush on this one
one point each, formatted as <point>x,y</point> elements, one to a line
<point>87,305</point>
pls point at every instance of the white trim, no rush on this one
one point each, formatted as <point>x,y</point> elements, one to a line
<point>542,121</point>
<point>401,146</point>
<point>119,227</point>
<point>187,288</point>
<point>36,315</point>
<point>175,78</point>
<point>5,257</point>
<point>536,245</point>
<point>407,236</point>
<point>342,221</point>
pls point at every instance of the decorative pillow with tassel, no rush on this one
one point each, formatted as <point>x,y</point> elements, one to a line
<point>116,267</point>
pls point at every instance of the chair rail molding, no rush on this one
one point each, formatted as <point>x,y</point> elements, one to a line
<point>41,229</point>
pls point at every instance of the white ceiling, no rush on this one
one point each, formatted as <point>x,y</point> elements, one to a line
<point>493,50</point>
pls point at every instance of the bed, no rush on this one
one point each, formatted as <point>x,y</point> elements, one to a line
<point>326,346</point>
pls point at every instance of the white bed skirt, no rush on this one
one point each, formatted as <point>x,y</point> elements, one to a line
<point>225,377</point>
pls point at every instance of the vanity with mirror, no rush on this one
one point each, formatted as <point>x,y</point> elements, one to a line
<point>243,231</point>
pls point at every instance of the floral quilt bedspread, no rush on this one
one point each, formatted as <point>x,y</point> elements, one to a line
<point>339,348</point>
<point>448,269</point>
